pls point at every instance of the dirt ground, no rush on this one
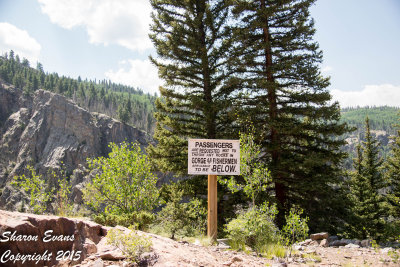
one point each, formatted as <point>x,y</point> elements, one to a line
<point>170,253</point>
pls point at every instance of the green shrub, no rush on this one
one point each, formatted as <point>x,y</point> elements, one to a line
<point>140,220</point>
<point>131,244</point>
<point>254,228</point>
<point>254,175</point>
<point>186,219</point>
<point>392,230</point>
<point>296,228</point>
<point>63,206</point>
<point>35,187</point>
<point>42,194</point>
<point>124,183</point>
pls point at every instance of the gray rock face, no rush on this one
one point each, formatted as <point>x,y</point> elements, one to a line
<point>47,130</point>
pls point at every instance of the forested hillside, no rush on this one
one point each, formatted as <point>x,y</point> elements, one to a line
<point>382,120</point>
<point>122,102</point>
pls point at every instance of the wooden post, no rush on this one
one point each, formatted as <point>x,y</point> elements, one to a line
<point>212,207</point>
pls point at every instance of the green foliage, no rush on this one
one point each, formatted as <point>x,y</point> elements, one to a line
<point>124,111</point>
<point>255,174</point>
<point>123,182</point>
<point>296,228</point>
<point>392,230</point>
<point>42,193</point>
<point>287,99</point>
<point>131,244</point>
<point>192,41</point>
<point>254,228</point>
<point>273,250</point>
<point>35,187</point>
<point>394,255</point>
<point>381,118</point>
<point>187,219</point>
<point>62,202</point>
<point>140,220</point>
<point>369,206</point>
<point>382,122</point>
<point>392,174</point>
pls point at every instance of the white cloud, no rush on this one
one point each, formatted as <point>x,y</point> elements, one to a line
<point>13,38</point>
<point>371,95</point>
<point>122,22</point>
<point>326,69</point>
<point>134,72</point>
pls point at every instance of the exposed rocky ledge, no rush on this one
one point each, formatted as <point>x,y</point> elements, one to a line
<point>45,130</point>
<point>27,234</point>
<point>89,245</point>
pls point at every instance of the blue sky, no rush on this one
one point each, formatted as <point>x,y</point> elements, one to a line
<point>107,39</point>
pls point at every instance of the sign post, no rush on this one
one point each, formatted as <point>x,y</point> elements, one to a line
<point>212,207</point>
<point>213,157</point>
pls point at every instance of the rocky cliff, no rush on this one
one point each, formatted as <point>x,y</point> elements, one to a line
<point>46,130</point>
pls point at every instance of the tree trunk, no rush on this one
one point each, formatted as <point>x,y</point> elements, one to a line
<point>209,112</point>
<point>280,191</point>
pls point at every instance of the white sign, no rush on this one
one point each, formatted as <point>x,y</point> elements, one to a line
<point>213,156</point>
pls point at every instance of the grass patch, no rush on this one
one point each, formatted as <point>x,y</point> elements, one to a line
<point>205,241</point>
<point>311,257</point>
<point>274,250</point>
<point>394,255</point>
<point>158,230</point>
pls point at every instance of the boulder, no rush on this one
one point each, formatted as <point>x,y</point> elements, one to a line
<point>319,236</point>
<point>332,238</point>
<point>351,245</point>
<point>344,242</point>
<point>48,240</point>
<point>339,243</point>
<point>324,243</point>
<point>365,243</point>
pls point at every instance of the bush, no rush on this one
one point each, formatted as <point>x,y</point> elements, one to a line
<point>255,176</point>
<point>139,220</point>
<point>63,206</point>
<point>296,228</point>
<point>392,230</point>
<point>35,186</point>
<point>187,219</point>
<point>123,184</point>
<point>254,228</point>
<point>131,244</point>
<point>42,194</point>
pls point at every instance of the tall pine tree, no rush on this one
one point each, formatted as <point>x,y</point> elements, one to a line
<point>392,167</point>
<point>290,105</point>
<point>193,42</point>
<point>365,190</point>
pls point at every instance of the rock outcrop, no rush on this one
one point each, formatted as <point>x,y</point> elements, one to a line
<point>39,240</point>
<point>86,246</point>
<point>47,130</point>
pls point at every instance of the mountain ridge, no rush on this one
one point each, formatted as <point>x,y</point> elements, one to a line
<point>48,131</point>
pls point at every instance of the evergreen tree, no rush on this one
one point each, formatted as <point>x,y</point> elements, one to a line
<point>367,182</point>
<point>193,42</point>
<point>124,111</point>
<point>392,167</point>
<point>290,105</point>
